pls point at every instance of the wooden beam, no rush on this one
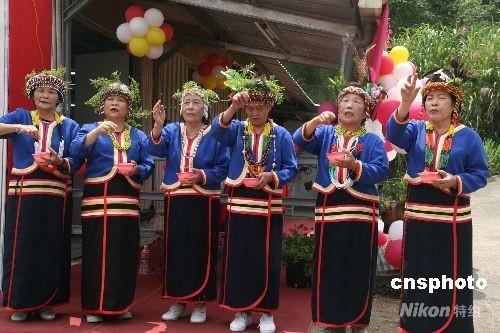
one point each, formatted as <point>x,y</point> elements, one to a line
<point>271,15</point>
<point>171,52</point>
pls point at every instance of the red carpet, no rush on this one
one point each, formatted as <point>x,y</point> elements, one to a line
<point>292,316</point>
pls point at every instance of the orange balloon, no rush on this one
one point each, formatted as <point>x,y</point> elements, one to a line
<point>221,83</point>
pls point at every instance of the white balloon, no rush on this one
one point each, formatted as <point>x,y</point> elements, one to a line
<point>197,77</point>
<point>396,230</point>
<point>387,81</point>
<point>403,69</point>
<point>394,94</point>
<point>155,52</point>
<point>154,17</point>
<point>375,127</point>
<point>138,26</point>
<point>123,33</point>
<point>380,225</point>
<point>217,72</point>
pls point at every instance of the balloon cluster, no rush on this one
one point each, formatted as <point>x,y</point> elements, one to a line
<point>395,68</point>
<point>144,32</point>
<point>393,242</point>
<point>209,73</point>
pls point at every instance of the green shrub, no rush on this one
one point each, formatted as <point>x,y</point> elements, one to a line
<point>493,154</point>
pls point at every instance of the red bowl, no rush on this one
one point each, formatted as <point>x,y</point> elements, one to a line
<point>185,176</point>
<point>125,167</point>
<point>41,157</point>
<point>335,156</point>
<point>251,182</point>
<point>428,177</point>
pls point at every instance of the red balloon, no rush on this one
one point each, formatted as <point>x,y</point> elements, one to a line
<point>214,59</point>
<point>383,112</point>
<point>133,11</point>
<point>205,69</point>
<point>169,31</point>
<point>393,252</point>
<point>416,112</point>
<point>382,238</point>
<point>386,65</point>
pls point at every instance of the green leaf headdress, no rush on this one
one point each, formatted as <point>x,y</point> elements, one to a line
<point>53,78</point>
<point>192,88</point>
<point>113,86</point>
<point>259,87</point>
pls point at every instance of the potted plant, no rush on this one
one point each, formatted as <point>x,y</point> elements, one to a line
<point>297,255</point>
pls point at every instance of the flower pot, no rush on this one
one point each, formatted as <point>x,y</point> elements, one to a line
<point>297,277</point>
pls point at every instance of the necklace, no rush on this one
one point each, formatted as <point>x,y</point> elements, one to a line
<point>340,133</point>
<point>184,138</point>
<point>35,119</point>
<point>268,138</point>
<point>117,144</point>
<point>431,146</point>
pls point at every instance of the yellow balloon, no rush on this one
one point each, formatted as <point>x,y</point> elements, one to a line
<point>138,46</point>
<point>209,82</point>
<point>221,83</point>
<point>155,36</point>
<point>399,54</point>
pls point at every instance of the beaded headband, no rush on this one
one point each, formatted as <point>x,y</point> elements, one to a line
<point>49,78</point>
<point>369,101</point>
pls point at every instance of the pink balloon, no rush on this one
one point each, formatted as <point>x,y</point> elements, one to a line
<point>384,111</point>
<point>393,252</point>
<point>382,238</point>
<point>387,81</point>
<point>394,93</point>
<point>386,65</point>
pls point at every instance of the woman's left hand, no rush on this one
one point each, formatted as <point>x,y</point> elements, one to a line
<point>130,172</point>
<point>195,179</point>
<point>446,181</point>
<point>265,178</point>
<point>348,161</point>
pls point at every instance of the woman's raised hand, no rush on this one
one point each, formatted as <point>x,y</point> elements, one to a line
<point>325,118</point>
<point>106,126</point>
<point>409,90</point>
<point>159,113</point>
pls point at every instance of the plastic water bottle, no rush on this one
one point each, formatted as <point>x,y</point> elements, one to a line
<point>144,262</point>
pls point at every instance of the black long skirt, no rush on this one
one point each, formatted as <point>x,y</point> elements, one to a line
<point>110,239</point>
<point>345,259</point>
<point>37,242</point>
<point>190,247</point>
<point>252,258</point>
<point>437,241</point>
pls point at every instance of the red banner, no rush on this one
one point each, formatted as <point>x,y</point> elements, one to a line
<point>380,39</point>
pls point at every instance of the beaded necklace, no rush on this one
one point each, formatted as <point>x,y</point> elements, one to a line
<point>127,143</point>
<point>431,146</point>
<point>340,133</point>
<point>196,144</point>
<point>255,168</point>
<point>35,119</point>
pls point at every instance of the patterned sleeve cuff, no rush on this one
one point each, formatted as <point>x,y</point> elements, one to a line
<point>155,141</point>
<point>358,170</point>
<point>459,185</point>
<point>203,177</point>
<point>399,121</point>
<point>276,179</point>
<point>304,133</point>
<point>221,123</point>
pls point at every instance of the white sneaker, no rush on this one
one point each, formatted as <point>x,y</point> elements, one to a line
<point>126,315</point>
<point>199,315</point>
<point>266,324</point>
<point>240,322</point>
<point>93,319</point>
<point>176,311</point>
<point>19,316</point>
<point>47,314</point>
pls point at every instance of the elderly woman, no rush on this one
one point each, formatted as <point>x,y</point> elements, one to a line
<point>118,161</point>
<point>37,243</point>
<point>438,225</point>
<point>350,164</point>
<point>196,166</point>
<point>262,150</point>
